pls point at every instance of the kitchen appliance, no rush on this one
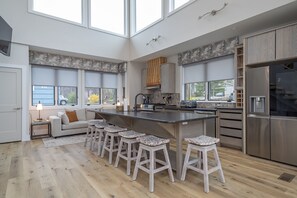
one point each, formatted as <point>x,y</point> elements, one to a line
<point>188,104</point>
<point>272,112</point>
<point>258,116</point>
<point>283,111</point>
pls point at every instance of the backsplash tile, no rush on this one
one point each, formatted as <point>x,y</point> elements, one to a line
<point>164,98</point>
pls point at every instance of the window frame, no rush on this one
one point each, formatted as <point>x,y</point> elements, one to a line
<point>171,9</point>
<point>83,10</point>
<point>54,98</point>
<point>207,83</point>
<point>126,21</point>
<point>85,18</point>
<point>100,97</point>
<point>209,87</point>
<point>56,92</point>
<point>205,90</point>
<point>133,31</point>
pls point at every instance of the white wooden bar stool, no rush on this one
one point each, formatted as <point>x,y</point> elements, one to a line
<point>128,140</point>
<point>202,144</point>
<point>99,136</point>
<point>111,135</point>
<point>152,144</point>
<point>90,132</point>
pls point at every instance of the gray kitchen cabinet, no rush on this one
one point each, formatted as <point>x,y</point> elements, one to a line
<point>230,127</point>
<point>260,48</point>
<point>286,42</point>
<point>168,78</point>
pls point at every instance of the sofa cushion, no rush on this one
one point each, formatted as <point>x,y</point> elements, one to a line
<point>81,114</point>
<point>71,116</point>
<point>64,117</point>
<point>75,125</point>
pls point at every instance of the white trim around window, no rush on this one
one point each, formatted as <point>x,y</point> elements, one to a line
<point>172,11</point>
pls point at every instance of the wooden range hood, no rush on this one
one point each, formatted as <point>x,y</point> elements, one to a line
<point>153,79</point>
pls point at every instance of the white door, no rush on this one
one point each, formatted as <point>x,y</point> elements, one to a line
<point>10,105</point>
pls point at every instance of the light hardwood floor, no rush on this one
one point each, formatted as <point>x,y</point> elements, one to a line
<point>28,169</point>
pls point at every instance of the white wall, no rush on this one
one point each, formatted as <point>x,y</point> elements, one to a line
<point>133,81</point>
<point>19,58</point>
<point>43,32</point>
<point>184,25</point>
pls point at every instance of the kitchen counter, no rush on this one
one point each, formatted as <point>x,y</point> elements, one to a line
<point>229,108</point>
<point>177,125</point>
<point>158,116</point>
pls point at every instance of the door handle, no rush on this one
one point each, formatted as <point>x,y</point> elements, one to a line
<point>18,108</point>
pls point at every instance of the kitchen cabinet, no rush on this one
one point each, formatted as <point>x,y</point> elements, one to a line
<point>260,48</point>
<point>286,42</point>
<point>230,127</point>
<point>240,76</point>
<point>168,78</point>
<point>154,71</point>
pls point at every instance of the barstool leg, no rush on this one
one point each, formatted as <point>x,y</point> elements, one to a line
<point>137,163</point>
<point>100,143</point>
<point>151,171</point>
<point>199,162</point>
<point>205,171</point>
<point>186,161</point>
<point>168,163</point>
<point>129,159</point>
<point>104,145</point>
<point>111,149</point>
<point>218,162</point>
<point>87,135</point>
<point>118,155</point>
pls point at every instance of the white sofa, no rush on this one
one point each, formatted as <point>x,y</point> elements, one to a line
<point>60,126</point>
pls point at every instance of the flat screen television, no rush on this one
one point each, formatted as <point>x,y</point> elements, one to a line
<point>5,37</point>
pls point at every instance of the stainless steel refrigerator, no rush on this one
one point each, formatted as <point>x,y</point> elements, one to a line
<point>258,115</point>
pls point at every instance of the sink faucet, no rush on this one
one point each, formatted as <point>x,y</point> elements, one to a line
<point>135,102</point>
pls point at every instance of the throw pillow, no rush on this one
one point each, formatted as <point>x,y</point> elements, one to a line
<point>81,114</point>
<point>64,119</point>
<point>71,116</point>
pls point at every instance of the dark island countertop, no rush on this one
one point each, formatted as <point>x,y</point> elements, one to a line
<point>158,116</point>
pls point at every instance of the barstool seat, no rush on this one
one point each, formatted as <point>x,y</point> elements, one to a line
<point>202,145</point>
<point>152,144</point>
<point>90,132</point>
<point>112,134</point>
<point>128,138</point>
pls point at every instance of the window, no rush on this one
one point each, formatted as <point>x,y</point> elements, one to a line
<point>221,90</point>
<point>195,91</point>
<point>93,88</point>
<point>215,76</point>
<point>108,15</point>
<point>147,12</point>
<point>51,84</point>
<point>174,4</point>
<point>194,79</point>
<point>43,94</point>
<point>100,88</point>
<point>70,10</point>
<point>66,80</point>
<point>43,86</point>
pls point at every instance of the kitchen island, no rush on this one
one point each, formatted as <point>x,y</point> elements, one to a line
<point>177,125</point>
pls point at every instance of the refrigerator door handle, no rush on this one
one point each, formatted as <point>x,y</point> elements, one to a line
<point>257,116</point>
